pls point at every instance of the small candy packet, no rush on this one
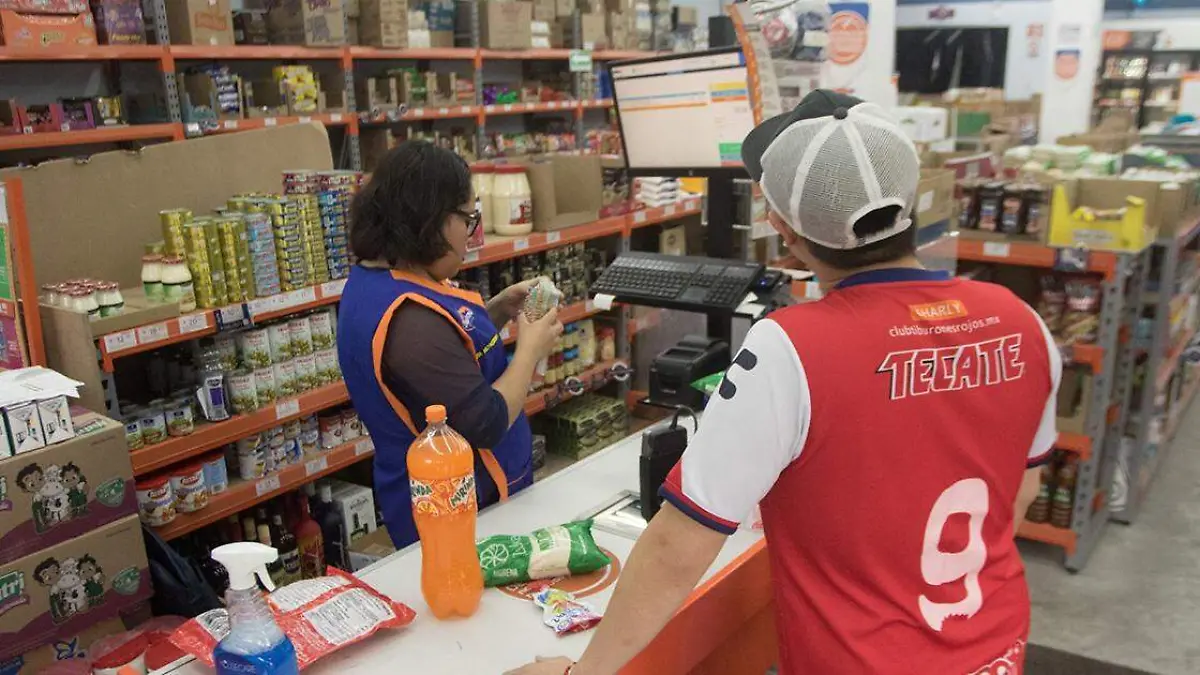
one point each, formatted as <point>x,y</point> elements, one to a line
<point>562,612</point>
<point>543,296</point>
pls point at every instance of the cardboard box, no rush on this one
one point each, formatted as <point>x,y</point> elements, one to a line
<point>371,548</point>
<point>63,648</point>
<point>566,191</point>
<point>356,503</point>
<point>592,31</point>
<point>544,10</point>
<point>68,587</point>
<point>439,14</point>
<point>617,28</point>
<point>590,6</point>
<point>308,23</point>
<point>376,31</point>
<point>65,490</point>
<point>250,27</point>
<point>1134,229</point>
<point>200,22</point>
<point>935,197</point>
<point>564,9</point>
<point>924,124</point>
<point>119,22</point>
<point>46,31</point>
<point>24,426</point>
<point>504,25</point>
<point>57,426</point>
<point>683,18</point>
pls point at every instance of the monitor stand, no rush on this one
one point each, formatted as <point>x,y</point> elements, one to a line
<point>722,212</point>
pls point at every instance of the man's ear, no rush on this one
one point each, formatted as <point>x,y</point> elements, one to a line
<point>785,231</point>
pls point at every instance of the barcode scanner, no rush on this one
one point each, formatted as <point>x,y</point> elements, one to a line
<point>661,450</point>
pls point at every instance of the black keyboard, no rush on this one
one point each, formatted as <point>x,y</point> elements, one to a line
<point>678,282</point>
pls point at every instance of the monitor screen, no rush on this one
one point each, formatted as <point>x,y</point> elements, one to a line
<point>684,113</point>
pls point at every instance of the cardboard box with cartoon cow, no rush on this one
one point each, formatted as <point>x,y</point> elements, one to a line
<point>64,589</point>
<point>62,491</point>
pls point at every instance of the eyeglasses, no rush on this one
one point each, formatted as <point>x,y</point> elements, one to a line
<point>473,218</point>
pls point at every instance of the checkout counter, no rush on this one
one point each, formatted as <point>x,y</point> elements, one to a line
<point>726,627</point>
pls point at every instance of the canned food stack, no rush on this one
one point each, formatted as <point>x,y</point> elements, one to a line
<point>260,250</point>
<point>336,192</point>
<point>173,222</point>
<point>314,240</point>
<point>289,243</point>
<point>231,230</point>
<point>299,182</point>
<point>207,265</point>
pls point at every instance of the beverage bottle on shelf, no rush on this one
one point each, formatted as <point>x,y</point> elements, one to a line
<point>1063,500</point>
<point>232,529</point>
<point>310,495</point>
<point>274,568</point>
<point>441,474</point>
<point>214,572</point>
<point>310,542</point>
<point>249,528</point>
<point>289,552</point>
<point>333,530</point>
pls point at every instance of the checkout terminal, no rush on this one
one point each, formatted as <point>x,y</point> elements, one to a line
<point>686,115</point>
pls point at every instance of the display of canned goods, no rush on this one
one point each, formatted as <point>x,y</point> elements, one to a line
<point>285,379</point>
<point>189,488</point>
<point>181,419</point>
<point>306,372</point>
<point>264,385</point>
<point>255,346</point>
<point>153,423</point>
<point>133,429</point>
<point>300,335</point>
<point>329,427</point>
<point>351,427</point>
<point>280,340</point>
<point>277,454</point>
<point>321,329</point>
<point>226,347</point>
<point>252,465</point>
<point>216,473</point>
<point>327,365</point>
<point>310,441</point>
<point>155,500</point>
<point>242,391</point>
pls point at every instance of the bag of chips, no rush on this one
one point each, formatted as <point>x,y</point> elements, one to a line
<point>319,616</point>
<point>557,551</point>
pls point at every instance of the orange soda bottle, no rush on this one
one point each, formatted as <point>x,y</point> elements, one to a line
<point>441,476</point>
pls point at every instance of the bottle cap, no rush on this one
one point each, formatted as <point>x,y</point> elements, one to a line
<point>245,561</point>
<point>435,414</point>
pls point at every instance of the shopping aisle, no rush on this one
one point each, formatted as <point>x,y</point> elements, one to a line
<point>1137,603</point>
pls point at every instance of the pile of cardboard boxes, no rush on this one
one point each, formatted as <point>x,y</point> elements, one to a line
<point>521,24</point>
<point>71,550</point>
<point>51,24</point>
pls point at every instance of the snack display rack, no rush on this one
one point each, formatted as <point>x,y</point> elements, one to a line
<point>1112,361</point>
<point>1152,430</point>
<point>169,58</point>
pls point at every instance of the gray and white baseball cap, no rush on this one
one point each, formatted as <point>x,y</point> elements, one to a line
<point>829,162</point>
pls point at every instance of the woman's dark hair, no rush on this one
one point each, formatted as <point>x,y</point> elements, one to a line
<point>399,214</point>
<point>894,247</point>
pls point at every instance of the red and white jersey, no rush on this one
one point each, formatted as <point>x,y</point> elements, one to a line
<point>884,431</point>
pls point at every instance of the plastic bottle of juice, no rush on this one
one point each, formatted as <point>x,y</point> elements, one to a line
<point>441,474</point>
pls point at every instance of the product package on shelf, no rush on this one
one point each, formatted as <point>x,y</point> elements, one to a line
<point>200,22</point>
<point>46,31</point>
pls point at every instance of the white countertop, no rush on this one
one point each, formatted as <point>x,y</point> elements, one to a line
<point>505,632</point>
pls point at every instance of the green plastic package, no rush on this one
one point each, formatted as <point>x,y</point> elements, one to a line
<point>557,551</point>
<point>709,383</point>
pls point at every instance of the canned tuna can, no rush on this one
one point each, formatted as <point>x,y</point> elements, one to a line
<point>173,221</point>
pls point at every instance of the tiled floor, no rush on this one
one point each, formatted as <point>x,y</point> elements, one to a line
<point>1137,603</point>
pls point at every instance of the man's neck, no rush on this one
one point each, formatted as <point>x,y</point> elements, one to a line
<point>830,277</point>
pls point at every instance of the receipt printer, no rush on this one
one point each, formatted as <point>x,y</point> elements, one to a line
<point>674,370</point>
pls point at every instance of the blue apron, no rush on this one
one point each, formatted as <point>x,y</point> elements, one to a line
<point>368,302</point>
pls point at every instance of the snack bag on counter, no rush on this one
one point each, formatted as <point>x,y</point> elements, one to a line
<point>557,551</point>
<point>565,614</point>
<point>319,616</point>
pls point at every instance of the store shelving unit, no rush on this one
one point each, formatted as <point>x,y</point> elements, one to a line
<point>1112,361</point>
<point>1152,431</point>
<point>1137,79</point>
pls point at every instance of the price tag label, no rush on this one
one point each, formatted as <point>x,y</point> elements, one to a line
<point>229,124</point>
<point>315,466</point>
<point>521,244</point>
<point>152,333</point>
<point>193,322</point>
<point>298,297</point>
<point>266,485</point>
<point>418,112</point>
<point>471,256</point>
<point>259,306</point>
<point>287,408</point>
<point>670,210</point>
<point>270,122</point>
<point>579,61</point>
<point>996,249</point>
<point>64,127</point>
<point>465,109</point>
<point>363,447</point>
<point>508,107</point>
<point>304,119</point>
<point>489,108</point>
<point>443,111</point>
<point>639,217</point>
<point>505,333</point>
<point>589,306</point>
<point>335,118</point>
<point>553,237</point>
<point>231,315</point>
<point>116,342</point>
<point>333,289</point>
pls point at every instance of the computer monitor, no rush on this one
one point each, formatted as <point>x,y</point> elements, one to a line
<point>684,114</point>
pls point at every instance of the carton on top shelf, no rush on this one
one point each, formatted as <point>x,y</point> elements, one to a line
<point>46,31</point>
<point>200,22</point>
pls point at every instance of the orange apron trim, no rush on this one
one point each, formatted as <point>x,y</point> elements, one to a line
<point>443,287</point>
<point>377,343</point>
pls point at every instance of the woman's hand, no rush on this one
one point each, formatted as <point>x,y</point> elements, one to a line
<point>537,338</point>
<point>507,305</point>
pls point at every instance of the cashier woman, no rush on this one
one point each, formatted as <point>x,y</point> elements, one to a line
<point>408,338</point>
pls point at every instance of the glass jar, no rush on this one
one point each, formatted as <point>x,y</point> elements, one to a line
<point>108,295</point>
<point>483,180</point>
<point>152,277</point>
<point>177,283</point>
<point>607,343</point>
<point>84,300</point>
<point>50,295</point>
<point>512,203</point>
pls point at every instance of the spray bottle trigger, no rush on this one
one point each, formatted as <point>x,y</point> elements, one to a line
<point>264,578</point>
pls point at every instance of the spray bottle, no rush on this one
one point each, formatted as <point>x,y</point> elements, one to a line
<point>255,643</point>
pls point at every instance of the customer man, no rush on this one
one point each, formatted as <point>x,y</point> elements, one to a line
<point>889,432</point>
